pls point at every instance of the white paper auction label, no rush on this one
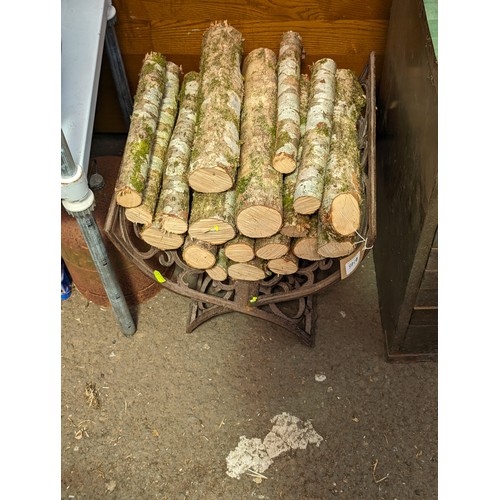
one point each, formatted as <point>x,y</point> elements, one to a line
<point>350,263</point>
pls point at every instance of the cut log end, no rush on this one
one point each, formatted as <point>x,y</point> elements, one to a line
<point>289,264</point>
<point>212,231</point>
<point>336,249</point>
<point>210,180</point>
<point>128,198</point>
<point>345,214</point>
<point>306,205</point>
<point>198,258</point>
<point>163,241</point>
<point>272,251</point>
<point>284,163</point>
<point>217,273</point>
<point>259,221</point>
<point>173,224</point>
<point>246,271</point>
<point>139,215</point>
<point>307,249</point>
<point>239,252</point>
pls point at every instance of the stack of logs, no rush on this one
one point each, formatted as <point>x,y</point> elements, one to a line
<point>248,166</point>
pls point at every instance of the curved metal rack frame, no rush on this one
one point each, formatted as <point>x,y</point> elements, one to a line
<point>283,300</point>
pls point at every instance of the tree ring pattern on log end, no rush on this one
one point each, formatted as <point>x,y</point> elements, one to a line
<point>246,272</point>
<point>306,205</point>
<point>210,180</point>
<point>345,214</point>
<point>284,163</point>
<point>174,224</point>
<point>128,199</point>
<point>198,258</point>
<point>159,239</point>
<point>212,231</point>
<point>259,221</point>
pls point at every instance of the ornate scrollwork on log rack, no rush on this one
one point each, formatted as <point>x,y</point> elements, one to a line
<point>283,300</point>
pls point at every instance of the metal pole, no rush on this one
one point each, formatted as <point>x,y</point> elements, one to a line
<point>78,200</point>
<point>117,67</point>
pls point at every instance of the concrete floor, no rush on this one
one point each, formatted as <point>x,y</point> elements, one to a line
<point>190,397</point>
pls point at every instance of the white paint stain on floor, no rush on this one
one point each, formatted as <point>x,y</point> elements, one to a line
<point>256,455</point>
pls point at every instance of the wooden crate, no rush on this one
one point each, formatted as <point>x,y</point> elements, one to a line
<point>345,31</point>
<point>407,193</point>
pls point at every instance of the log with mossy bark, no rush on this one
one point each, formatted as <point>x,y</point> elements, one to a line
<point>288,119</point>
<point>219,271</point>
<point>216,147</point>
<point>253,270</point>
<point>172,211</point>
<point>296,225</point>
<point>240,248</point>
<point>288,264</point>
<point>144,213</point>
<point>134,166</point>
<point>211,218</point>
<point>259,205</point>
<point>156,237</point>
<point>306,247</point>
<point>199,254</point>
<point>272,247</point>
<point>343,195</point>
<point>316,143</point>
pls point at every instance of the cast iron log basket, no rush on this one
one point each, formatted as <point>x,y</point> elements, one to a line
<point>283,300</point>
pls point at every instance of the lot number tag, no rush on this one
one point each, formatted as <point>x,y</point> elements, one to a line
<point>350,263</point>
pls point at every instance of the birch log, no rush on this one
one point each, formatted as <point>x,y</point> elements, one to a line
<point>307,246</point>
<point>288,119</point>
<point>144,213</point>
<point>216,147</point>
<point>316,143</point>
<point>296,225</point>
<point>135,160</point>
<point>212,217</point>
<point>343,196</point>
<point>272,247</point>
<point>240,248</point>
<point>219,271</point>
<point>156,237</point>
<point>288,264</point>
<point>172,210</point>
<point>254,270</point>
<point>199,254</point>
<point>259,206</point>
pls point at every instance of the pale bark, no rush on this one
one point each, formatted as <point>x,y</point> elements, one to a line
<point>172,211</point>
<point>296,225</point>
<point>144,213</point>
<point>342,202</point>
<point>288,119</point>
<point>212,217</point>
<point>259,205</point>
<point>216,147</point>
<point>316,143</point>
<point>133,172</point>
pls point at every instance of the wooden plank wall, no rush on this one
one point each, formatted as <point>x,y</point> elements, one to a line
<point>345,30</point>
<point>407,192</point>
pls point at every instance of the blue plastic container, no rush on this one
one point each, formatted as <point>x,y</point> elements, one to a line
<point>65,282</point>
